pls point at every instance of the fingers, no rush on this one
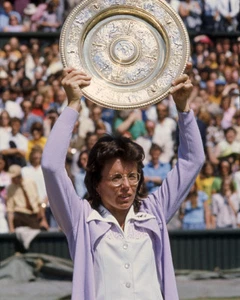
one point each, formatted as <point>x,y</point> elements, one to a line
<point>183,82</point>
<point>75,78</point>
<point>188,66</point>
<point>181,79</point>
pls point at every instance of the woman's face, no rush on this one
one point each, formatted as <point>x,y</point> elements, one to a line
<point>5,119</point>
<point>225,168</point>
<point>209,170</point>
<point>117,200</point>
<point>230,136</point>
<point>84,160</point>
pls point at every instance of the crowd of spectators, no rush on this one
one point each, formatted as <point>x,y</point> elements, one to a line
<point>31,100</point>
<point>48,16</point>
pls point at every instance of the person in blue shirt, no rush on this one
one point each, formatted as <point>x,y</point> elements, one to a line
<point>155,171</point>
<point>194,209</point>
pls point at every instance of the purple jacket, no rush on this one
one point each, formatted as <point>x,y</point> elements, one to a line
<point>71,212</point>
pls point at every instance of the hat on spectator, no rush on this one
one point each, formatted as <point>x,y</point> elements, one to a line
<point>15,14</point>
<point>14,171</point>
<point>3,74</point>
<point>30,9</point>
<point>204,39</point>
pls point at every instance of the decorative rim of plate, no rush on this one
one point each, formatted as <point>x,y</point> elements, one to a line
<point>79,47</point>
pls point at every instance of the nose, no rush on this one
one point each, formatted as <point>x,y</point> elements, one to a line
<point>125,182</point>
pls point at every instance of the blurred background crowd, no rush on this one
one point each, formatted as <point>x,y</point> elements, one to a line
<point>31,100</point>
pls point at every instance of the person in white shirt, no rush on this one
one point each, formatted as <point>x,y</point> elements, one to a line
<point>14,145</point>
<point>164,132</point>
<point>12,107</point>
<point>228,9</point>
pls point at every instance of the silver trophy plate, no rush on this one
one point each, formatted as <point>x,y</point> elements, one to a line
<point>132,49</point>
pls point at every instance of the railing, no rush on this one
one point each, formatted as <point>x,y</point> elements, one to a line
<point>191,250</point>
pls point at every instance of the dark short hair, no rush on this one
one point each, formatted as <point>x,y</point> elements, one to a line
<point>155,147</point>
<point>106,148</point>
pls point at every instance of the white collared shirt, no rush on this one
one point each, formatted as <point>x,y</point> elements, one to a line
<point>124,261</point>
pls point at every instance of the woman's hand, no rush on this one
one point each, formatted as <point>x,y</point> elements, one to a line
<point>181,91</point>
<point>73,81</point>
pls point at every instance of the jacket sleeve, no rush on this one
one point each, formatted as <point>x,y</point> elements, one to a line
<point>176,186</point>
<point>65,204</point>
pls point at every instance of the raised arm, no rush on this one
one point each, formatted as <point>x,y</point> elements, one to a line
<point>64,202</point>
<point>168,198</point>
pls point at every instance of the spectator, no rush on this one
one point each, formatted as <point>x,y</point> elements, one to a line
<point>28,118</point>
<point>229,11</point>
<point>214,135</point>
<point>146,140</point>
<point>5,13</point>
<point>49,121</point>
<point>28,12</point>
<point>15,24</point>
<point>37,138</point>
<point>23,202</point>
<point>60,100</point>
<point>15,53</point>
<point>49,21</point>
<point>14,144</point>
<point>229,145</point>
<point>5,180</point>
<point>225,206</point>
<point>224,173</point>
<point>8,104</point>
<point>34,171</point>
<point>190,12</point>
<point>194,209</point>
<point>205,179</point>
<point>5,126</point>
<point>164,133</point>
<point>37,106</point>
<point>155,171</point>
<point>48,95</point>
<point>210,15</point>
<point>201,124</point>
<point>228,111</point>
<point>80,176</point>
<point>101,127</point>
<point>130,120</point>
<point>91,139</point>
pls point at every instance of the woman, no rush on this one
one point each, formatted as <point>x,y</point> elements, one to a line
<point>80,176</point>
<point>225,206</point>
<point>116,229</point>
<point>15,24</point>
<point>37,137</point>
<point>5,119</point>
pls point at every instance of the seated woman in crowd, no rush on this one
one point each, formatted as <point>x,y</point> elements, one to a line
<point>225,206</point>
<point>15,24</point>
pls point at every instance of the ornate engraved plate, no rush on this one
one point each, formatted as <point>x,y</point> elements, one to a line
<point>133,50</point>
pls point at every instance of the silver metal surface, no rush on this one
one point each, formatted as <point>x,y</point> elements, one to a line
<point>133,50</point>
